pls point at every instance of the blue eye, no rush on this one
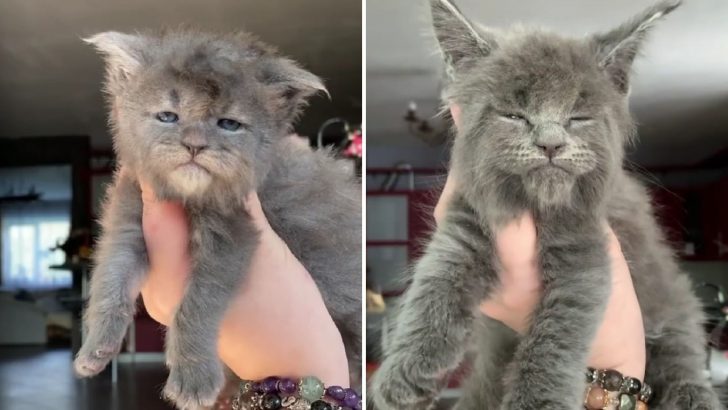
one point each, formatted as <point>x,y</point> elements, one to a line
<point>228,124</point>
<point>168,117</point>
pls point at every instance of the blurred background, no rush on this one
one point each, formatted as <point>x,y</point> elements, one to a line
<point>56,159</point>
<point>679,97</point>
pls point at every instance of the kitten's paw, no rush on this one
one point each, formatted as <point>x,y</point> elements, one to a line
<point>194,386</point>
<point>690,397</point>
<point>93,357</point>
<point>395,386</point>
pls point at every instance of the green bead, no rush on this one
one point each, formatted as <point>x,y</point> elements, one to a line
<point>627,402</point>
<point>311,388</point>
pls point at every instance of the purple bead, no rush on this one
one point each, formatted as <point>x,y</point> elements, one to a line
<point>351,399</point>
<point>358,405</point>
<point>336,392</point>
<point>269,385</point>
<point>258,387</point>
<point>286,386</point>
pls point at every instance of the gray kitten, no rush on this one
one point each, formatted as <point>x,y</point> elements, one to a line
<point>203,118</point>
<point>544,123</point>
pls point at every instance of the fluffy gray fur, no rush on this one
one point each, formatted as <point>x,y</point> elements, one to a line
<point>544,125</point>
<point>308,199</point>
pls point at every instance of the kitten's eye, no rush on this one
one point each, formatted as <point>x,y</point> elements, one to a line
<point>167,116</point>
<point>515,117</point>
<point>228,124</point>
<point>580,119</point>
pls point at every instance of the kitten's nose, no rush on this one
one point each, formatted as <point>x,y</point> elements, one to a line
<point>550,150</point>
<point>194,148</point>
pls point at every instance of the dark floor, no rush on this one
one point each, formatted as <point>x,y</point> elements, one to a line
<point>33,378</point>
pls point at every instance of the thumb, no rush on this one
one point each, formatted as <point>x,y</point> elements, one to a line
<point>164,223</point>
<point>148,194</point>
<point>255,209</point>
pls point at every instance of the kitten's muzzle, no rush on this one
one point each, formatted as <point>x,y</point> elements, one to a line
<point>194,148</point>
<point>550,139</point>
<point>550,150</point>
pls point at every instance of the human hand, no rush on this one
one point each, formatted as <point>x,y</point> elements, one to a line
<point>277,324</point>
<point>619,343</point>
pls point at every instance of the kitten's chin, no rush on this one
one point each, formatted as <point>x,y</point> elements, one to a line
<point>549,186</point>
<point>190,180</point>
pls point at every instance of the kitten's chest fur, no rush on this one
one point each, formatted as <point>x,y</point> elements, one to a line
<point>653,267</point>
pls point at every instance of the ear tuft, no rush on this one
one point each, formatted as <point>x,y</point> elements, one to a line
<point>617,49</point>
<point>460,40</point>
<point>124,53</point>
<point>290,86</point>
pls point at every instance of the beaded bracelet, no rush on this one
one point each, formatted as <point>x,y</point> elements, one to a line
<point>609,388</point>
<point>307,393</point>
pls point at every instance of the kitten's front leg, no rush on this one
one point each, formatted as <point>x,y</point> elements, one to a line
<point>221,248</point>
<point>676,357</point>
<point>437,315</point>
<point>547,372</point>
<point>121,265</point>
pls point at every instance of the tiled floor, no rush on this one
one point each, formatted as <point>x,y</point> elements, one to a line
<point>41,379</point>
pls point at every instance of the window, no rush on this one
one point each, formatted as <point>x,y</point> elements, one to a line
<point>27,237</point>
<point>29,229</point>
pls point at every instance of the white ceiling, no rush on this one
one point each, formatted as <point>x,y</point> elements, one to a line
<point>680,87</point>
<point>50,80</point>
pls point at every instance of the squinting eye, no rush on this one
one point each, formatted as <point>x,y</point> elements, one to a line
<point>168,117</point>
<point>228,124</point>
<point>580,119</point>
<point>515,117</point>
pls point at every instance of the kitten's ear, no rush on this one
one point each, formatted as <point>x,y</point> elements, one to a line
<point>289,86</point>
<point>617,49</point>
<point>124,53</point>
<point>461,41</point>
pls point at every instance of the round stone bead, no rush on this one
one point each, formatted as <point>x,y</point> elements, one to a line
<point>270,402</point>
<point>336,392</point>
<point>596,398</point>
<point>269,385</point>
<point>311,388</point>
<point>591,375</point>
<point>286,386</point>
<point>351,398</point>
<point>630,385</point>
<point>627,402</point>
<point>300,404</point>
<point>320,405</point>
<point>611,380</point>
<point>645,393</point>
<point>641,405</point>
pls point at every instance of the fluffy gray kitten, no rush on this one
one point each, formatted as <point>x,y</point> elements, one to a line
<point>544,123</point>
<point>203,118</point>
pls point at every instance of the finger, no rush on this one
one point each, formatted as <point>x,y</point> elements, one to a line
<point>148,195</point>
<point>166,234</point>
<point>619,266</point>
<point>442,203</point>
<point>449,188</point>
<point>516,247</point>
<point>456,113</point>
<point>255,210</point>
